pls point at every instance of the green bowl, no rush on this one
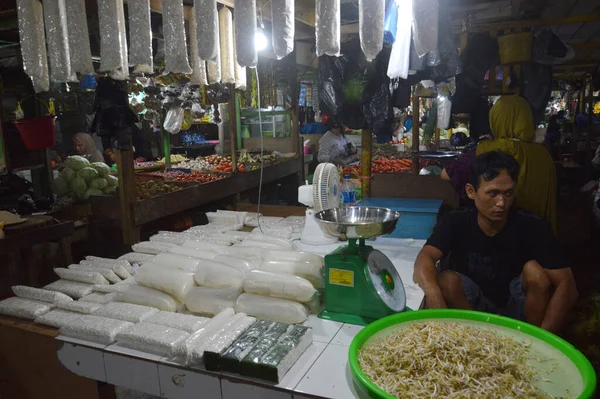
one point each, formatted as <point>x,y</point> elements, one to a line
<point>572,358</point>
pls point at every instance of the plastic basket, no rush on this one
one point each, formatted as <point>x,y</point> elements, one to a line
<point>37,133</point>
<point>515,48</point>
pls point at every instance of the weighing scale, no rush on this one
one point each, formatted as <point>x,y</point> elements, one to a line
<point>361,283</point>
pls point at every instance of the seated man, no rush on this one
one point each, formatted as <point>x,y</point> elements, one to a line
<point>502,260</point>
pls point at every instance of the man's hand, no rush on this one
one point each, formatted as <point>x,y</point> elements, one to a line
<point>425,275</point>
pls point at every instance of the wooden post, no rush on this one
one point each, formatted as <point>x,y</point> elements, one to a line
<point>415,134</point>
<point>232,105</point>
<point>294,92</point>
<point>127,195</point>
<point>365,162</point>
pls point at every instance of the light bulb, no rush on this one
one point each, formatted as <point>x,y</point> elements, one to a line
<point>260,40</point>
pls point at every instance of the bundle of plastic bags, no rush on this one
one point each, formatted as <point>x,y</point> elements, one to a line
<point>176,57</point>
<point>327,28</point>
<point>371,15</point>
<point>283,27</point>
<point>113,44</point>
<point>140,36</point>
<point>198,65</point>
<point>79,38</point>
<point>245,33</point>
<point>226,39</point>
<point>33,43</point>
<point>207,29</point>
<point>57,37</point>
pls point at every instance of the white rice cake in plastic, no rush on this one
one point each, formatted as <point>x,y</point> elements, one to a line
<point>39,294</point>
<point>70,288</point>
<point>95,329</point>
<point>151,338</point>
<point>252,221</point>
<point>99,298</point>
<point>78,306</point>
<point>125,311</point>
<point>81,276</point>
<point>24,308</point>
<point>57,318</point>
<point>180,321</point>
<point>147,247</point>
<point>109,289</point>
<point>136,257</point>
<point>120,262</point>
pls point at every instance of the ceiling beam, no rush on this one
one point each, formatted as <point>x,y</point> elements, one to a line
<point>520,24</point>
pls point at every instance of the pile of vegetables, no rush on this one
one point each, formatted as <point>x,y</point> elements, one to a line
<point>385,165</point>
<point>83,179</point>
<point>198,177</point>
<point>152,188</point>
<point>175,158</point>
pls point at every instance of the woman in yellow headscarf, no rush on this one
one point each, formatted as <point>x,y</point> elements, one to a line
<point>511,122</point>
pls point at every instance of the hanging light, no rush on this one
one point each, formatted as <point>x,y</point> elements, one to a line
<point>260,40</point>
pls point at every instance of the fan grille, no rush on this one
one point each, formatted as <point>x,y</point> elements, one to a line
<point>326,194</point>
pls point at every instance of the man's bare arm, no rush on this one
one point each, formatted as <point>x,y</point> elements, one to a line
<point>425,275</point>
<point>563,300</point>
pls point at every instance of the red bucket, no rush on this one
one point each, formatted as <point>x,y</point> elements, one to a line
<point>37,133</point>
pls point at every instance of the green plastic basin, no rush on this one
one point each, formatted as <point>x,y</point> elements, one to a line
<point>574,371</point>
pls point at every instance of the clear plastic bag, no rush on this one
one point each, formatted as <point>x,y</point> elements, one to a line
<point>94,328</point>
<point>444,112</point>
<point>276,241</point>
<point>107,273</point>
<point>121,271</point>
<point>99,298</point>
<point>273,309</point>
<point>57,37</point>
<point>147,297</point>
<point>173,120</point>
<point>234,328</point>
<point>206,246</point>
<point>283,27</point>
<point>217,275</point>
<point>120,262</point>
<point>243,265</point>
<point>24,308</point>
<point>140,36</point>
<point>240,71</point>
<point>175,283</point>
<point>57,318</point>
<point>109,289</point>
<point>279,285</point>
<point>136,257</point>
<point>213,69</point>
<point>245,32</point>
<point>176,57</point>
<point>173,238</point>
<point>327,27</point>
<point>195,253</point>
<point>39,294</point>
<point>125,311</point>
<point>425,26</point>
<point>264,243</point>
<point>81,276</point>
<point>371,17</point>
<point>313,272</point>
<point>33,43</point>
<point>184,322</point>
<point>112,36</point>
<point>211,301</point>
<point>207,29</point>
<point>70,288</point>
<point>226,49</point>
<point>400,55</point>
<point>151,338</point>
<point>198,65</point>
<point>79,38</point>
<point>177,262</point>
<point>147,247</point>
<point>79,307</point>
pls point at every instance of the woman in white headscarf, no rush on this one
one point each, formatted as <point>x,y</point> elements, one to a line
<point>335,148</point>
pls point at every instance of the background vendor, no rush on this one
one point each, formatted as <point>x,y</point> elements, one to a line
<point>502,260</point>
<point>334,146</point>
<point>83,144</point>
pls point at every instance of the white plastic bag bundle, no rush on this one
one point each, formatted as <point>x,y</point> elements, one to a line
<point>226,48</point>
<point>207,29</point>
<point>311,271</point>
<point>33,43</point>
<point>206,246</point>
<point>57,37</point>
<point>136,257</point>
<point>147,247</point>
<point>175,238</point>
<point>113,44</point>
<point>425,26</point>
<point>109,289</point>
<point>221,340</point>
<point>175,283</point>
<point>271,240</point>
<point>173,120</point>
<point>140,36</point>
<point>253,254</point>
<point>443,112</point>
<point>147,297</point>
<point>120,270</point>
<point>70,288</point>
<point>279,285</point>
<point>24,308</point>
<point>265,221</point>
<point>217,275</point>
<point>38,294</point>
<point>400,54</point>
<point>284,256</point>
<point>283,24</point>
<point>327,27</point>
<point>120,262</point>
<point>194,253</point>
<point>265,243</point>
<point>99,298</point>
<point>81,276</point>
<point>211,301</point>
<point>198,65</point>
<point>107,273</point>
<point>174,261</point>
<point>125,311</point>
<point>243,265</point>
<point>94,328</point>
<point>245,32</point>
<point>176,58</point>
<point>184,322</point>
<point>240,71</point>
<point>371,16</point>
<point>79,38</point>
<point>57,318</point>
<point>78,307</point>
<point>213,69</point>
<point>273,309</point>
<point>151,338</point>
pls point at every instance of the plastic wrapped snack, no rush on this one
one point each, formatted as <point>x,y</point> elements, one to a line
<point>24,308</point>
<point>267,241</point>
<point>81,276</point>
<point>178,262</point>
<point>327,27</point>
<point>175,283</point>
<point>217,275</point>
<point>198,65</point>
<point>176,57</point>
<point>211,301</point>
<point>105,272</point>
<point>99,298</point>
<point>120,262</point>
<point>125,311</point>
<point>57,37</point>
<point>94,328</point>
<point>274,309</point>
<point>57,318</point>
<point>147,247</point>
<point>33,43</point>
<point>207,28</point>
<point>226,49</point>
<point>240,71</point>
<point>109,289</point>
<point>302,257</point>
<point>112,36</point>
<point>194,253</point>
<point>136,257</point>
<point>184,322</point>
<point>121,271</point>
<point>245,32</point>
<point>213,69</point>
<point>282,17</point>
<point>279,285</point>
<point>172,238</point>
<point>151,338</point>
<point>206,246</point>
<point>371,16</point>
<point>39,294</point>
<point>70,288</point>
<point>313,272</point>
<point>147,297</point>
<point>140,36</point>
<point>79,307</point>
<point>243,265</point>
<point>79,38</point>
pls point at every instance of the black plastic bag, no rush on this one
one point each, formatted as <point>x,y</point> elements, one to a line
<point>537,88</point>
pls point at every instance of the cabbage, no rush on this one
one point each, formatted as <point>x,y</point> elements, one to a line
<point>77,162</point>
<point>60,186</point>
<point>88,173</point>
<point>110,190</point>
<point>93,191</point>
<point>68,174</point>
<point>78,185</point>
<point>112,181</point>
<point>102,168</point>
<point>99,183</point>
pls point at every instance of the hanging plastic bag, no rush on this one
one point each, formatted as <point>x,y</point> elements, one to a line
<point>400,55</point>
<point>245,32</point>
<point>140,36</point>
<point>283,27</point>
<point>122,73</point>
<point>444,111</point>
<point>176,58</point>
<point>55,20</point>
<point>207,29</point>
<point>371,14</point>
<point>425,25</point>
<point>33,43</point>
<point>173,122</point>
<point>240,71</point>
<point>226,48</point>
<point>112,36</point>
<point>327,27</point>
<point>214,70</point>
<point>198,66</point>
<point>79,38</point>
<point>389,25</point>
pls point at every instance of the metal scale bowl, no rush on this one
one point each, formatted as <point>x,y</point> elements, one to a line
<point>361,283</point>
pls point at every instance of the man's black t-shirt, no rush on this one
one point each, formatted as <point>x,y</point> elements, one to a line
<point>492,262</point>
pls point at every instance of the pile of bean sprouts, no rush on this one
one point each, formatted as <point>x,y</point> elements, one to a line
<point>442,359</point>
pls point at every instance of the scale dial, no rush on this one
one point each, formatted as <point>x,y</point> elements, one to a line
<point>386,281</point>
